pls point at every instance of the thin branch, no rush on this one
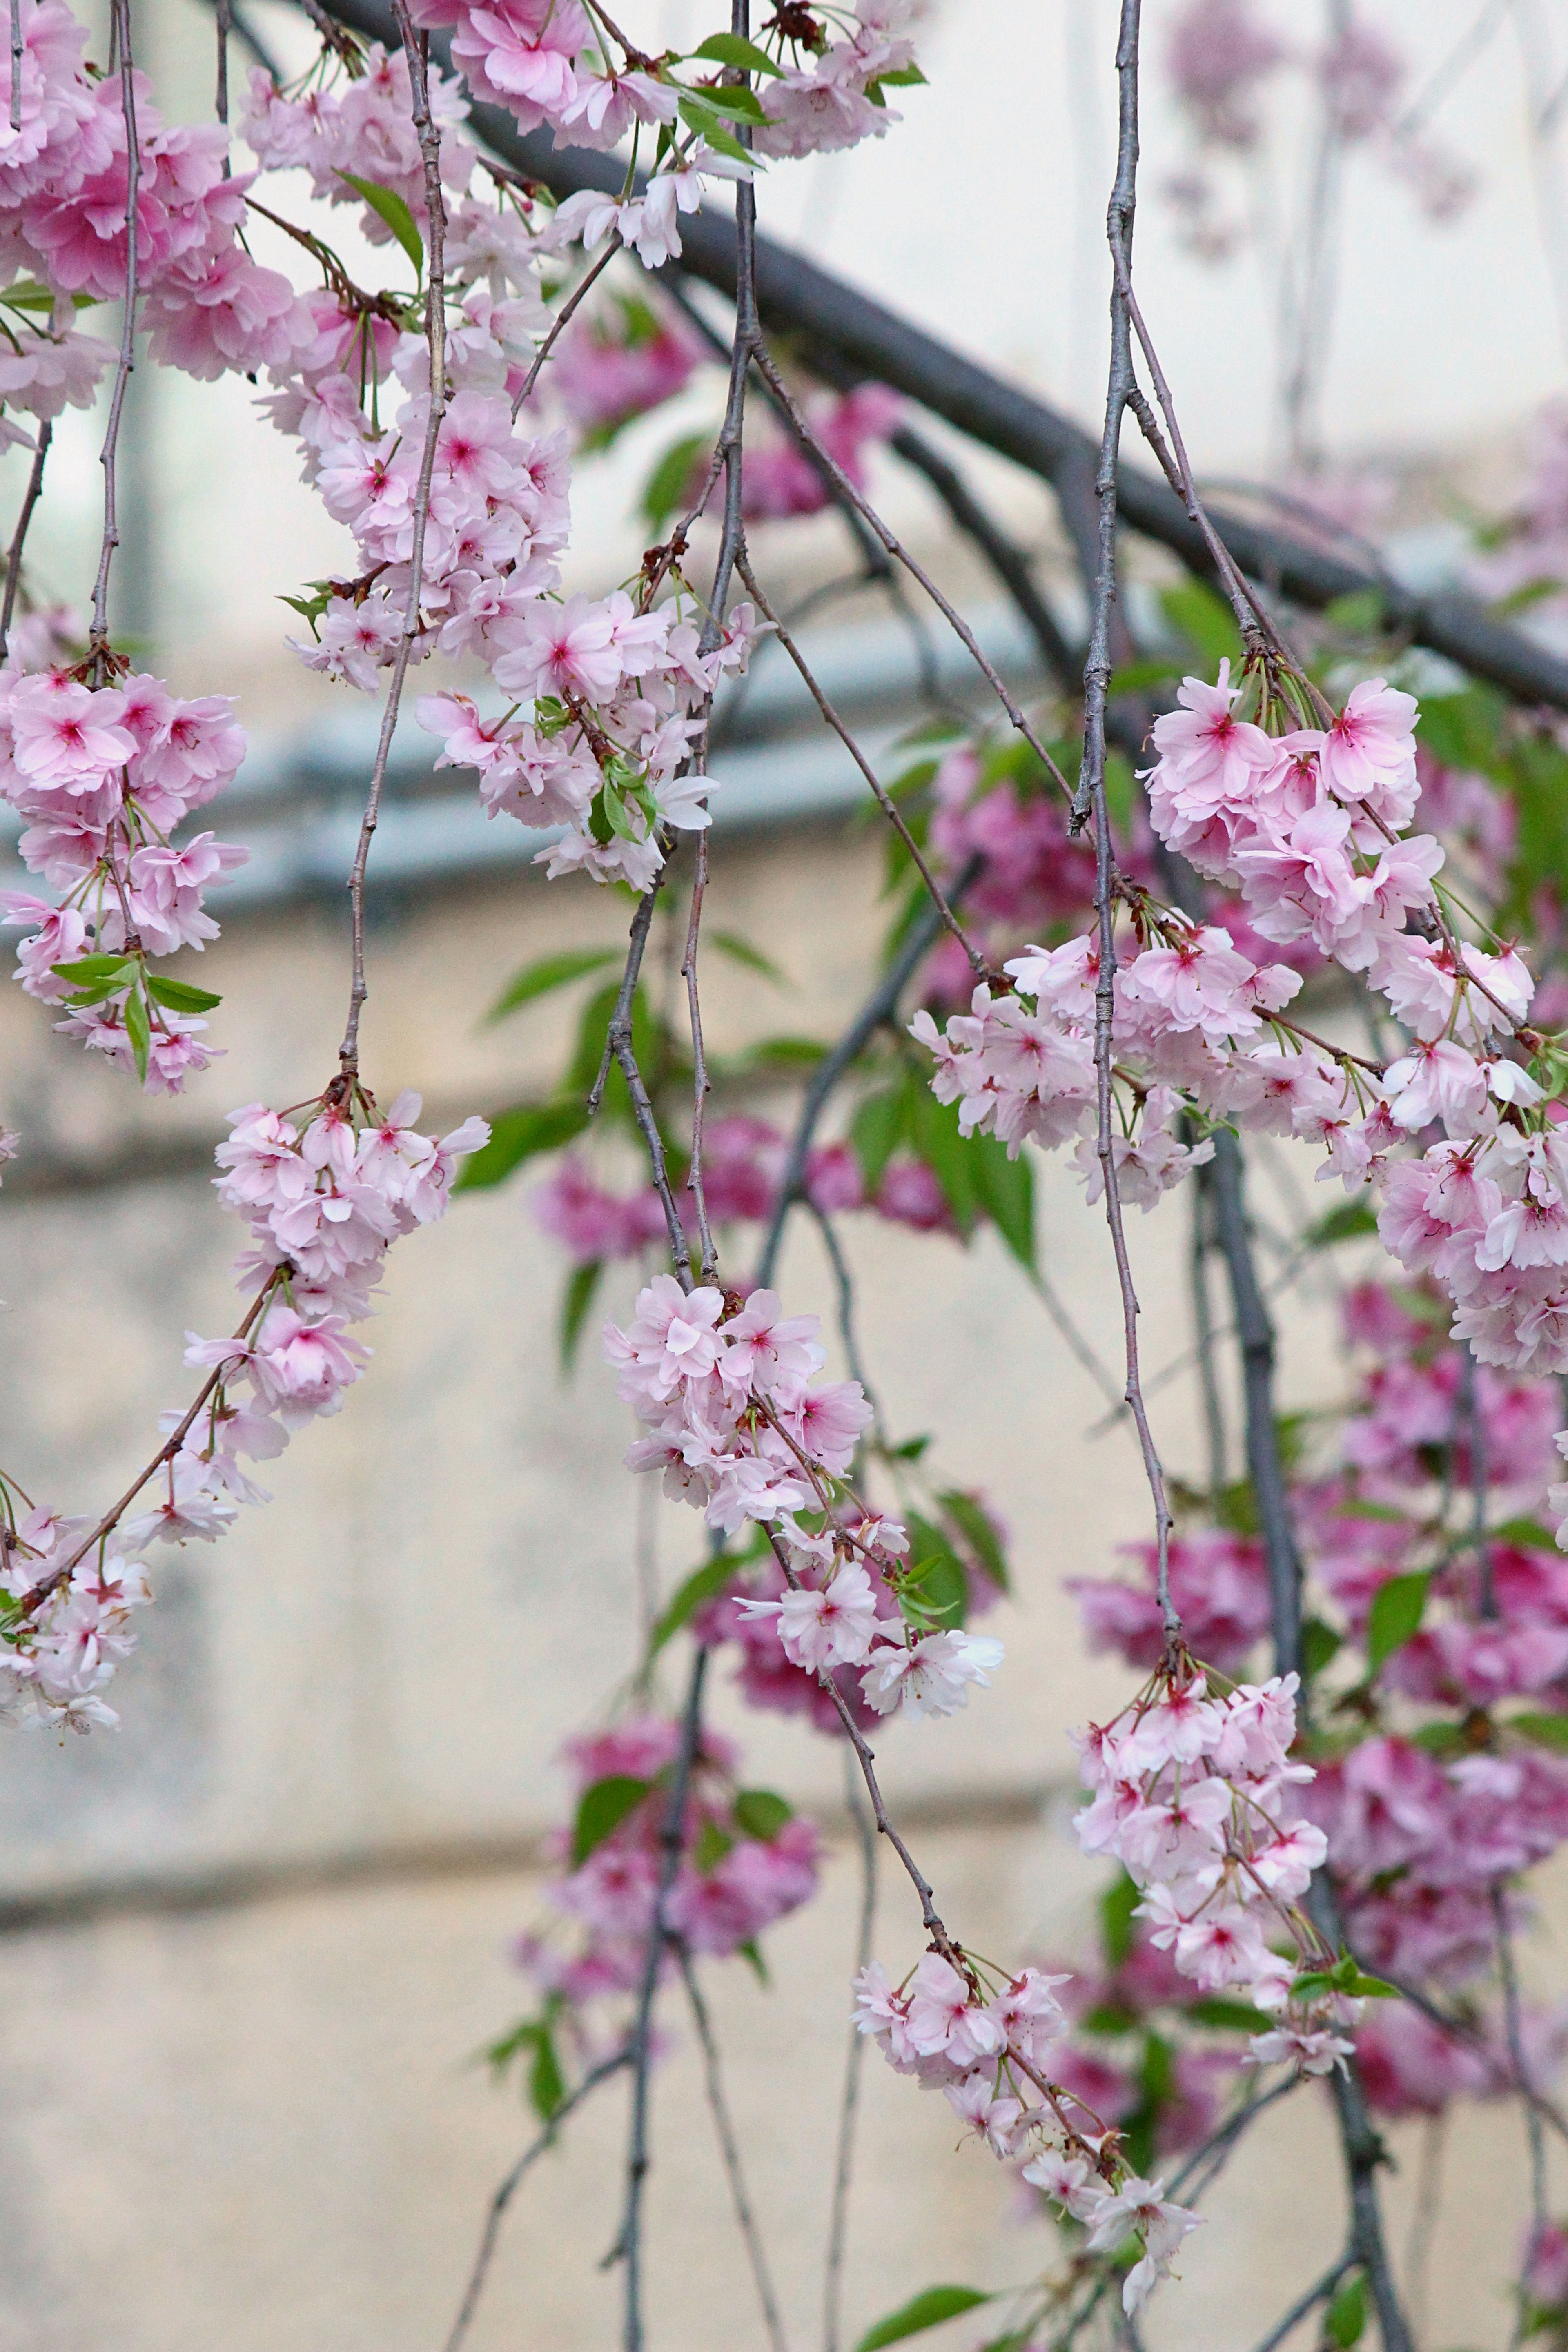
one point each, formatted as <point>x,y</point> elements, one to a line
<point>884,800</point>
<point>1097,668</point>
<point>35,491</point>
<point>415,50</point>
<point>1255,1332</point>
<point>854,2067</point>
<point>627,2248</point>
<point>1006,558</point>
<point>1203,1321</point>
<point>880,1007</point>
<point>900,554</point>
<point>18,49</point>
<point>98,640</point>
<point>1535,2138</point>
<point>513,2181</point>
<point>844,1283</point>
<point>700,1079</point>
<point>1203,2165</point>
<point>718,2107</point>
<point>563,315</point>
<point>223,13</point>
<point>1318,2293</point>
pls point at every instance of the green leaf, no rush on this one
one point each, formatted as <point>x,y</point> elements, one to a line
<point>950,1156</point>
<point>1205,621</point>
<point>922,2311</point>
<point>549,972</point>
<point>769,1056</point>
<point>741,105</point>
<point>1117,1905</point>
<point>1344,2322</point>
<point>518,1135</point>
<point>734,49</point>
<point>94,967</point>
<point>936,1588</point>
<point>665,485</point>
<point>877,1130</point>
<point>902,76</point>
<point>1319,1644</point>
<point>546,2087</point>
<point>712,1844</point>
<point>703,119</point>
<point>1349,1220</point>
<point>1528,1533</point>
<point>1138,677</point>
<point>98,991</point>
<point>1006,1190</point>
<point>703,1584</point>
<point>575,1300</point>
<point>1545,1730</point>
<point>138,1029</point>
<point>1362,614</point>
<point>178,996</point>
<point>751,1955</point>
<point>1394,1615</point>
<point>1236,2016</point>
<point>389,204</point>
<point>762,1813</point>
<point>740,950</point>
<point>601,1809</point>
<point>977,1532</point>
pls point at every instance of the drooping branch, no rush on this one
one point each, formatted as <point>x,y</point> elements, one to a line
<point>825,315</point>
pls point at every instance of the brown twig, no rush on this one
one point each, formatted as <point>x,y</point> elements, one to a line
<point>884,800</point>
<point>701,1082</point>
<point>900,554</point>
<point>97,641</point>
<point>415,50</point>
<point>35,490</point>
<point>563,315</point>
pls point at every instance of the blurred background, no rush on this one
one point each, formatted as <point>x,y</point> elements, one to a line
<point>251,1943</point>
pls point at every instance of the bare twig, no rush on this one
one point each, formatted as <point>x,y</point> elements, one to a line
<point>1206,2162</point>
<point>1120,385</point>
<point>563,315</point>
<point>35,490</point>
<point>1535,2138</point>
<point>884,799</point>
<point>98,640</point>
<point>415,44</point>
<point>854,2066</point>
<point>728,2148</point>
<point>18,49</point>
<point>900,554</point>
<point>1318,2292</point>
<point>627,2248</point>
<point>513,2181</point>
<point>844,1283</point>
<point>699,1079</point>
<point>220,97</point>
<point>1203,1323</point>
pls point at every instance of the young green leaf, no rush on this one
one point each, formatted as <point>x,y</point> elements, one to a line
<point>703,1584</point>
<point>1117,1905</point>
<point>1344,2322</point>
<point>1006,1190</point>
<point>976,1531</point>
<point>546,2087</point>
<point>739,104</point>
<point>1348,1220</point>
<point>734,49</point>
<point>575,1300</point>
<point>91,968</point>
<point>709,126</point>
<point>138,1029</point>
<point>601,1809</point>
<point>178,996</point>
<point>1545,1730</point>
<point>665,485</point>
<point>762,1813</point>
<point>877,1130</point>
<point>1204,620</point>
<point>519,1135</point>
<point>712,1844</point>
<point>549,972</point>
<point>1394,1616</point>
<point>928,2309</point>
<point>742,951</point>
<point>1320,1643</point>
<point>389,204</point>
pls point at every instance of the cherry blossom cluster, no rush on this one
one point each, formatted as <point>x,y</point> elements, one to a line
<point>1446,1792</point>
<point>103,778</point>
<point>740,1431</point>
<point>989,2047</point>
<point>323,1200</point>
<point>746,1859</point>
<point>548,62</point>
<point>743,1160</point>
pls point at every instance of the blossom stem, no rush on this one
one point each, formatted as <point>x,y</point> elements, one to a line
<point>415,46</point>
<point>35,491</point>
<point>98,640</point>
